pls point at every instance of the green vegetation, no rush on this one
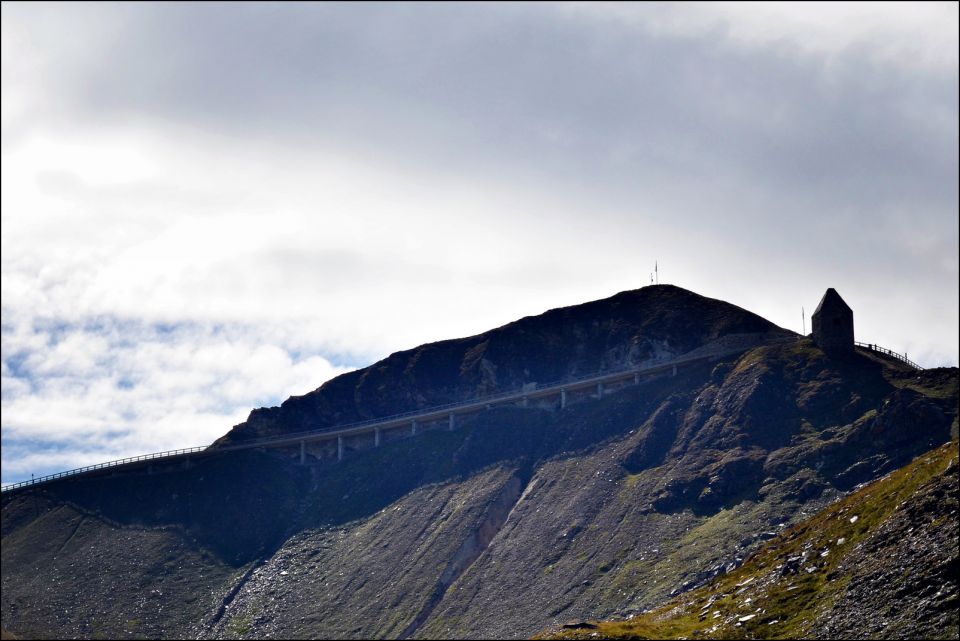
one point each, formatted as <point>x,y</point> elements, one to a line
<point>630,481</point>
<point>240,625</point>
<point>779,589</point>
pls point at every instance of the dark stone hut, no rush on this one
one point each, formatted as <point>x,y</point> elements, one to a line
<point>833,324</point>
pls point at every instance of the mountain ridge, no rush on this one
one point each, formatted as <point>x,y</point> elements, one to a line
<point>626,329</point>
<point>518,520</point>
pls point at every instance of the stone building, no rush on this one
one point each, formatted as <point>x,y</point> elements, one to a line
<point>833,324</point>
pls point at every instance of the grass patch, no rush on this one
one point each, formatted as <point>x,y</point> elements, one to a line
<point>631,480</point>
<point>240,626</point>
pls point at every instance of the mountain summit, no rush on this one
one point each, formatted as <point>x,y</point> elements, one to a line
<point>629,329</point>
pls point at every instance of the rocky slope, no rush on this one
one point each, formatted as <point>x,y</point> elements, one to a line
<point>881,563</point>
<point>520,519</point>
<point>139,556</point>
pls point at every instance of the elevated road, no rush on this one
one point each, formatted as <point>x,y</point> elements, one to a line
<point>596,386</point>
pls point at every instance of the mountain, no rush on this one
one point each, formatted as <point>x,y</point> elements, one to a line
<point>880,563</point>
<point>520,519</point>
<point>629,329</point>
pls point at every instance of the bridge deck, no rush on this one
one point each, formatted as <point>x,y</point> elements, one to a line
<point>468,407</point>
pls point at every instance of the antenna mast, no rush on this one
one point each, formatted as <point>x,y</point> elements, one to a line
<point>657,274</point>
<point>803,317</point>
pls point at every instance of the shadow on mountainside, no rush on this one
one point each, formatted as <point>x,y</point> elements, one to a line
<point>722,433</point>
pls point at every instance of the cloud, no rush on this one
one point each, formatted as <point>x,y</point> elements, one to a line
<point>120,388</point>
<point>913,34</point>
<point>327,183</point>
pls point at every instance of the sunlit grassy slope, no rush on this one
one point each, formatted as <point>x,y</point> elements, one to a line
<point>800,584</point>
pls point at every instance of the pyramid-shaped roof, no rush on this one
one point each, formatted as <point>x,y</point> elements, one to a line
<point>832,299</point>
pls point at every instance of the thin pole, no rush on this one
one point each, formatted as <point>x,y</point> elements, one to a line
<point>803,317</point>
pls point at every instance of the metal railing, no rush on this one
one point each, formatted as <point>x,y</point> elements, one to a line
<point>889,352</point>
<point>515,394</point>
<point>99,466</point>
<point>333,430</point>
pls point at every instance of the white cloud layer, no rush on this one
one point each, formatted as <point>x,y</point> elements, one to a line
<point>208,208</point>
<point>109,389</point>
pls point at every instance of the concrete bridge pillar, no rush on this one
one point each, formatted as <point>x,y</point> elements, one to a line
<point>413,428</point>
<point>303,452</point>
<point>636,378</point>
<point>600,390</point>
<point>674,370</point>
<point>339,448</point>
<point>186,463</point>
<point>524,402</point>
<point>452,421</point>
<point>563,398</point>
<point>376,437</point>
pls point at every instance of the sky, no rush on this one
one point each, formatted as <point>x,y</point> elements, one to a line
<point>207,208</point>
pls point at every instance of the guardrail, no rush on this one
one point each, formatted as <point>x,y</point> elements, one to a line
<point>434,409</point>
<point>99,466</point>
<point>427,411</point>
<point>889,352</point>
<point>536,390</point>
